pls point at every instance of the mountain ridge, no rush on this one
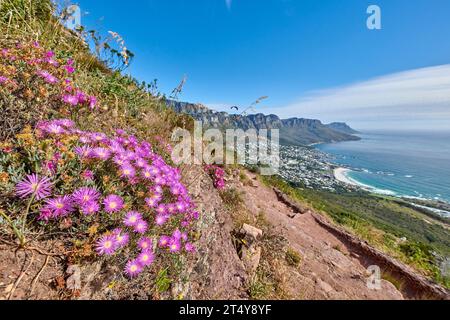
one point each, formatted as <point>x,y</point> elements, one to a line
<point>293,131</point>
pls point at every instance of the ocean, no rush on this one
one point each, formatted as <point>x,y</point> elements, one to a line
<point>412,164</point>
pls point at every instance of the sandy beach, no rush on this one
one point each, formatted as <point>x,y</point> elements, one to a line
<point>340,175</point>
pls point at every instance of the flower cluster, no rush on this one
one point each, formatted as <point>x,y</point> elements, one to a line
<point>46,75</point>
<point>151,203</point>
<point>218,174</point>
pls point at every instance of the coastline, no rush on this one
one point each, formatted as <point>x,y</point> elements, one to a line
<point>341,174</point>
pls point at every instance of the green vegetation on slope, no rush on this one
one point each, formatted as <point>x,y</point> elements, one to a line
<point>383,223</point>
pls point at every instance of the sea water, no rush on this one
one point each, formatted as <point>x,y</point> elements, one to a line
<point>413,164</point>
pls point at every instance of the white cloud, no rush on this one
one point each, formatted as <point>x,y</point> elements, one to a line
<point>405,99</point>
<point>228,3</point>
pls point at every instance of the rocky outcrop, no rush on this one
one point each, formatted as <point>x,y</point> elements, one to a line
<point>415,285</point>
<point>296,208</point>
<point>250,250</point>
<point>215,271</point>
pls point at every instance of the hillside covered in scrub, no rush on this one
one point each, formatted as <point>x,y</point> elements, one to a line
<point>92,206</point>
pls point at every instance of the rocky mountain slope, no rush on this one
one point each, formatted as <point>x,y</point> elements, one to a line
<point>342,127</point>
<point>333,264</point>
<point>293,131</point>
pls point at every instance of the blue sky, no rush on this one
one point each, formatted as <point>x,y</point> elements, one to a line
<point>312,58</point>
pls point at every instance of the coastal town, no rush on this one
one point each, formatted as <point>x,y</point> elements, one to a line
<point>310,168</point>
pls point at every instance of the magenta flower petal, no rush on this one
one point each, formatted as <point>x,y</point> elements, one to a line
<point>113,203</point>
<point>141,226</point>
<point>41,187</point>
<point>85,195</point>
<point>146,258</point>
<point>90,208</point>
<point>106,245</point>
<point>132,218</point>
<point>145,243</point>
<point>60,206</point>
<point>133,268</point>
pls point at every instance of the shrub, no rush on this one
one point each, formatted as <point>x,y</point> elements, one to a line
<point>293,258</point>
<point>232,198</point>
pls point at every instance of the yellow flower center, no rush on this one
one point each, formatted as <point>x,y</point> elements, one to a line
<point>113,205</point>
<point>145,257</point>
<point>59,205</point>
<point>133,219</point>
<point>133,268</point>
<point>126,171</point>
<point>108,244</point>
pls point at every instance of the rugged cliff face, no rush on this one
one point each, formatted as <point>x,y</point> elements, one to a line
<point>293,131</point>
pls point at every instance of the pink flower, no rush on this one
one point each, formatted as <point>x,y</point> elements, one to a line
<point>161,219</point>
<point>146,258</point>
<point>87,174</point>
<point>146,174</point>
<point>140,163</point>
<point>98,136</point>
<point>145,243</point>
<point>84,151</point>
<point>133,268</point>
<point>49,78</point>
<point>33,184</point>
<point>60,206</point>
<point>92,102</point>
<point>153,201</point>
<point>106,245</point>
<point>141,226</point>
<point>101,153</point>
<point>189,247</point>
<point>132,218</point>
<point>177,235</point>
<point>69,69</point>
<point>70,99</point>
<point>84,195</point>
<point>90,208</point>
<point>113,203</point>
<point>164,241</point>
<point>45,214</point>
<point>49,54</point>
<point>54,128</point>
<point>174,245</point>
<point>122,238</point>
<point>171,208</point>
<point>161,209</point>
<point>127,171</point>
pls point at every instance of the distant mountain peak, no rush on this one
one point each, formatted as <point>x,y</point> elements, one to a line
<point>342,127</point>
